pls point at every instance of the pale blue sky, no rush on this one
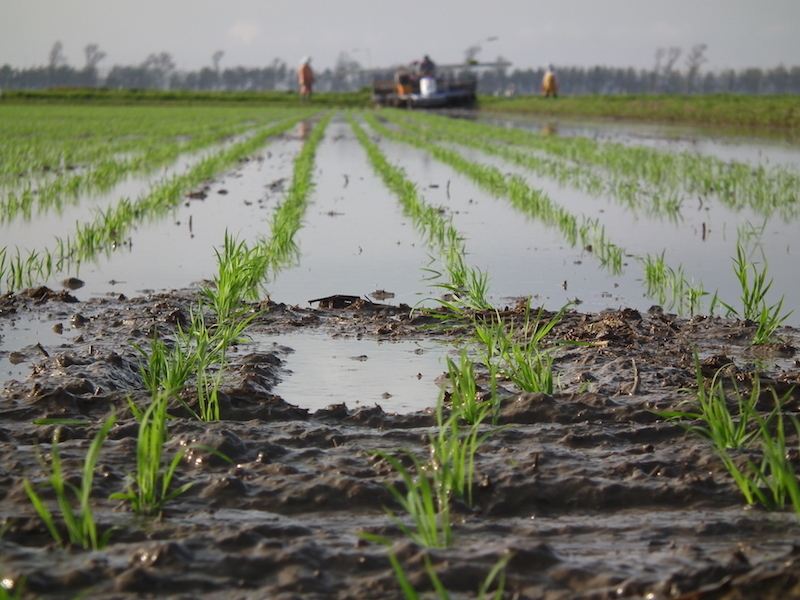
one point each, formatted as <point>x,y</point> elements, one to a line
<point>531,33</point>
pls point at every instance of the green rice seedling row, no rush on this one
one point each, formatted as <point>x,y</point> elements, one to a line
<point>557,446</point>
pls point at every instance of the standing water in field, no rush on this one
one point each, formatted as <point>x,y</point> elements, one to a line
<point>565,467</point>
<point>356,239</point>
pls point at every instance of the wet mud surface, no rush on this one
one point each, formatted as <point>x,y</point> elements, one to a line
<point>595,496</point>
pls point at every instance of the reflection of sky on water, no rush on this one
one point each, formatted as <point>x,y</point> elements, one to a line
<point>773,150</point>
<point>43,227</point>
<point>525,258</point>
<point>398,376</point>
<point>22,333</point>
<point>355,239</point>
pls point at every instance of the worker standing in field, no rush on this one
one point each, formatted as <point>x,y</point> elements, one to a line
<point>427,68</point>
<point>305,77</point>
<point>550,83</point>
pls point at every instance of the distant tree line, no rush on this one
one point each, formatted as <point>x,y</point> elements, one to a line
<point>664,78</point>
<point>158,71</point>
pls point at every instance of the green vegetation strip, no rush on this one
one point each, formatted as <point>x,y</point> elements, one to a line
<point>763,190</point>
<point>362,98</point>
<point>661,182</point>
<point>280,249</point>
<point>60,162</point>
<point>110,227</point>
<point>535,203</point>
<point>781,112</point>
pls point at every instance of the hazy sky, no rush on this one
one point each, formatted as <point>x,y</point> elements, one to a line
<point>530,33</point>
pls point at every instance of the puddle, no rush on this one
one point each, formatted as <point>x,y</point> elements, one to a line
<point>19,336</point>
<point>400,376</point>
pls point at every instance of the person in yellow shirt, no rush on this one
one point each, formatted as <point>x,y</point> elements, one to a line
<point>305,77</point>
<point>550,83</point>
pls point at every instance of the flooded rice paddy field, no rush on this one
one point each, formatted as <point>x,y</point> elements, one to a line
<point>585,492</point>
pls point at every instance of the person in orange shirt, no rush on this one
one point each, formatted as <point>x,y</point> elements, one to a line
<point>305,77</point>
<point>550,83</point>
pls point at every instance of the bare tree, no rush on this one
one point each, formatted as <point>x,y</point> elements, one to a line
<point>657,69</point>
<point>93,56</point>
<point>673,54</point>
<point>694,59</point>
<point>56,57</point>
<point>668,73</point>
<point>216,57</point>
<point>157,68</point>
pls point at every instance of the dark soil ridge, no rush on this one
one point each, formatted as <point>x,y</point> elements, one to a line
<point>595,496</point>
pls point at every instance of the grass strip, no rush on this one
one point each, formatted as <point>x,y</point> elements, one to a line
<point>737,110</point>
<point>280,249</point>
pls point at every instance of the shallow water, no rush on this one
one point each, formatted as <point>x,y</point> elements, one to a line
<point>773,148</point>
<point>399,376</point>
<point>355,239</point>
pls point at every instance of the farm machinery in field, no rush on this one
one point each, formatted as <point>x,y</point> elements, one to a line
<point>452,85</point>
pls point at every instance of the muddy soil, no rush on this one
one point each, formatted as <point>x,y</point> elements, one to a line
<point>595,496</point>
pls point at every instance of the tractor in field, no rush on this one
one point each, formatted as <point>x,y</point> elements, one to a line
<point>406,86</point>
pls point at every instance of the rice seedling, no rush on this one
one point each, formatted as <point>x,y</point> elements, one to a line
<point>517,353</point>
<point>80,524</point>
<point>464,389</point>
<point>670,287</point>
<point>425,499</point>
<point>239,272</point>
<point>772,482</point>
<point>197,347</point>
<point>722,427</point>
<point>754,304</point>
<point>453,450</point>
<point>496,573</point>
<point>168,368</point>
<point>467,287</point>
<point>428,488</point>
<point>208,393</point>
<point>148,488</point>
<point>753,292</point>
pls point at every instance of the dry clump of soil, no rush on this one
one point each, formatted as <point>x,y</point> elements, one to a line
<point>592,493</point>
